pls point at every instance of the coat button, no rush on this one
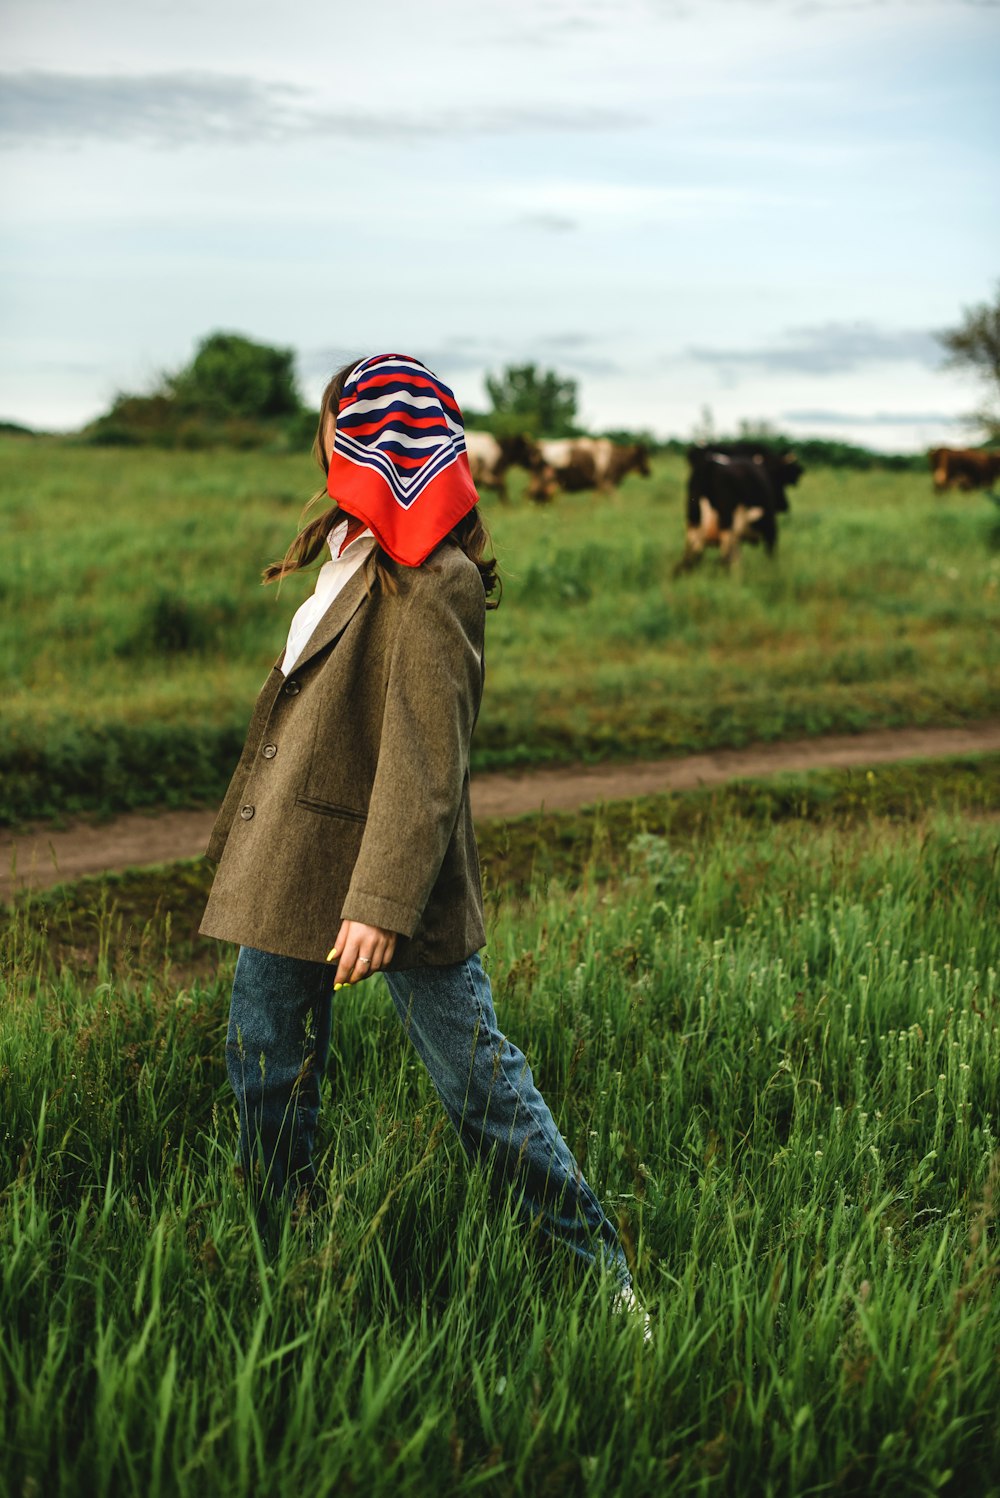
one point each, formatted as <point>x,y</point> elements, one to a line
<point>246,812</point>
<point>269,751</point>
<point>292,688</point>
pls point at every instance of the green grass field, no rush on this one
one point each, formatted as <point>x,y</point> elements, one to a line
<point>772,1043</point>
<point>136,633</point>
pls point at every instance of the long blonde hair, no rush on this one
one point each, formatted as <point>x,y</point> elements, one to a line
<point>470,533</point>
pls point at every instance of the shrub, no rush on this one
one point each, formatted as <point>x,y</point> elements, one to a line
<point>231,376</point>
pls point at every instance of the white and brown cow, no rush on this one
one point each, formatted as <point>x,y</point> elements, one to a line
<point>592,462</point>
<point>490,458</point>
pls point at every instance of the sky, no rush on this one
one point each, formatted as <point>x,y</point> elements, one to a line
<point>764,208</point>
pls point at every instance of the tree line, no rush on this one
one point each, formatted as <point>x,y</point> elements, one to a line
<point>240,393</point>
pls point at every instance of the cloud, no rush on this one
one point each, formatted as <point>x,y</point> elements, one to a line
<point>551,223</point>
<point>571,353</point>
<point>453,359</point>
<point>565,340</point>
<point>823,417</point>
<point>825,7</point>
<point>828,348</point>
<point>454,356</point>
<point>322,362</point>
<point>166,108</point>
<point>565,25</point>
<point>187,108</point>
<point>808,8</point>
<point>574,353</point>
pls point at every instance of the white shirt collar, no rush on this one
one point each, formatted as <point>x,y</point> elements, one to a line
<point>336,537</point>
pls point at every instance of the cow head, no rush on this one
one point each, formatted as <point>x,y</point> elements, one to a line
<point>790,470</point>
<point>543,486</point>
<point>938,459</point>
<point>520,449</point>
<point>640,459</point>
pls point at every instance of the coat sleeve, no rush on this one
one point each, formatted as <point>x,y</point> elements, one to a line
<point>433,693</point>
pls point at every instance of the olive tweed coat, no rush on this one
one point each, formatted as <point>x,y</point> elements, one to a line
<point>351,797</point>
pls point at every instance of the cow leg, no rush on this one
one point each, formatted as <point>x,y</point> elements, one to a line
<point>765,529</point>
<point>694,550</point>
<point>729,549</point>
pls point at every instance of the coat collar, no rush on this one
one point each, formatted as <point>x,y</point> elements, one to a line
<point>336,619</point>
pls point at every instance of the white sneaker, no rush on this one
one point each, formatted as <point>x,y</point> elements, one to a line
<point>626,1303</point>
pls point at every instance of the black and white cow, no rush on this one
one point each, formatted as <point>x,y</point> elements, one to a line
<point>735,494</point>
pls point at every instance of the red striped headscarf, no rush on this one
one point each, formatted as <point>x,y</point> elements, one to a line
<point>399,461</point>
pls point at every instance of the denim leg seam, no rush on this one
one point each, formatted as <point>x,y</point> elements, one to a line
<point>580,1181</point>
<point>500,1069</point>
<point>584,1191</point>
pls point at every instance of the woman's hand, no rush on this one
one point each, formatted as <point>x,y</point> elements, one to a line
<point>362,951</point>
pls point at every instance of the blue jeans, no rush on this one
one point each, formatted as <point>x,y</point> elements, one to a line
<point>276,1052</point>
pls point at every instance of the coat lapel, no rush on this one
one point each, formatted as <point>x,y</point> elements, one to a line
<point>337,617</point>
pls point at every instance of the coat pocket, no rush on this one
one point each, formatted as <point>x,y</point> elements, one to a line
<point>331,809</point>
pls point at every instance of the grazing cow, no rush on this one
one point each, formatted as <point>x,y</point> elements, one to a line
<point>592,462</point>
<point>783,469</point>
<point>490,457</point>
<point>734,499</point>
<point>964,468</point>
<point>627,457</point>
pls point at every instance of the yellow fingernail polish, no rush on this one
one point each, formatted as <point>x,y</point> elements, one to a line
<point>331,954</point>
<point>337,987</point>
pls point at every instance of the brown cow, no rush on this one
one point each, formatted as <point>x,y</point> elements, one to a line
<point>592,462</point>
<point>964,468</point>
<point>627,457</point>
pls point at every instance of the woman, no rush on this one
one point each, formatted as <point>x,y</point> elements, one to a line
<point>348,815</point>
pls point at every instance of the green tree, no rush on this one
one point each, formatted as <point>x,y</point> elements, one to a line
<point>231,376</point>
<point>975,345</point>
<point>527,399</point>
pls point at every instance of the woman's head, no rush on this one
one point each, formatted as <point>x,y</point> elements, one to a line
<point>403,463</point>
<point>399,460</point>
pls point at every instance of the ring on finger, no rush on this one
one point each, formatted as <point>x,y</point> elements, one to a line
<point>364,962</point>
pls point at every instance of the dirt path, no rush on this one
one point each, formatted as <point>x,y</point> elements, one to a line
<point>41,857</point>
